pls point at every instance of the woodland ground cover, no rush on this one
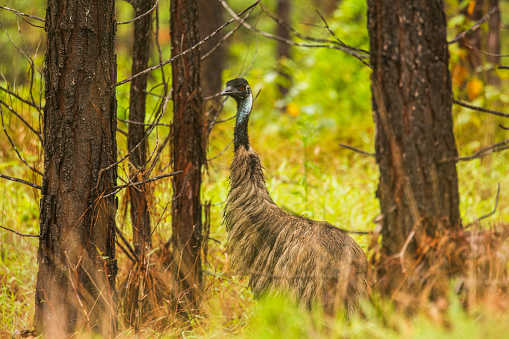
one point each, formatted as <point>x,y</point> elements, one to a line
<point>307,173</point>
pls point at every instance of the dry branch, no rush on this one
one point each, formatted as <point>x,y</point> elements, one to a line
<point>474,27</point>
<point>480,109</point>
<point>187,50</point>
<point>21,181</point>
<point>139,16</point>
<point>20,234</point>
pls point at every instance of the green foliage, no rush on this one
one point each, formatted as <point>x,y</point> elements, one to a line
<point>307,173</point>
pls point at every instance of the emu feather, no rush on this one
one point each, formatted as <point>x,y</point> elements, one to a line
<point>310,261</point>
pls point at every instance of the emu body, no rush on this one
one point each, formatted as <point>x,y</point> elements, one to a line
<point>310,261</point>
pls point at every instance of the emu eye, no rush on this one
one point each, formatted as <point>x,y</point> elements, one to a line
<point>242,88</point>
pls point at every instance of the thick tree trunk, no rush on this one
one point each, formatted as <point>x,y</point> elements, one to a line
<point>188,151</point>
<point>414,144</point>
<point>283,11</point>
<point>140,216</point>
<point>77,266</point>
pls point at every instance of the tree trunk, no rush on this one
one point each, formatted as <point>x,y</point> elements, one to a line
<point>414,144</point>
<point>481,40</point>
<point>140,216</point>
<point>212,67</point>
<point>77,267</point>
<point>188,151</point>
<point>283,11</point>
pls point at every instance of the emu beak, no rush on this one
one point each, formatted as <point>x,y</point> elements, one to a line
<point>228,91</point>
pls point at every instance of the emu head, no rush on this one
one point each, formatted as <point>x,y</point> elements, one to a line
<point>238,89</point>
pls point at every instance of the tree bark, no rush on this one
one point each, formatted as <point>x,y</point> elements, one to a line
<point>283,11</point>
<point>188,152</point>
<point>77,267</point>
<point>212,67</point>
<point>414,144</point>
<point>140,216</point>
<point>481,40</point>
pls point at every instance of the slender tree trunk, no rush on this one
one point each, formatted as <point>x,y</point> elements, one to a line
<point>77,267</point>
<point>212,67</point>
<point>414,144</point>
<point>283,11</point>
<point>140,216</point>
<point>188,151</point>
<point>481,40</point>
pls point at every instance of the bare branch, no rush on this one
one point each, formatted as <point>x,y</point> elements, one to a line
<point>20,98</point>
<point>223,39</point>
<point>139,16</point>
<point>143,123</point>
<point>503,67</point>
<point>484,152</point>
<point>186,51</point>
<point>21,118</point>
<point>133,184</point>
<point>14,146</point>
<point>21,234</point>
<point>474,27</point>
<point>21,181</point>
<point>21,14</point>
<point>309,38</point>
<point>489,214</point>
<point>480,109</point>
<point>351,148</point>
<point>290,42</point>
<point>220,153</point>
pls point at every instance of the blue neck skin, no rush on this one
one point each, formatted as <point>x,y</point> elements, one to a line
<point>240,136</point>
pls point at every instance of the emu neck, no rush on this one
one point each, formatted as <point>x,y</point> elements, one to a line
<point>240,135</point>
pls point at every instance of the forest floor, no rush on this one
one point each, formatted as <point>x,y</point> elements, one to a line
<point>306,173</point>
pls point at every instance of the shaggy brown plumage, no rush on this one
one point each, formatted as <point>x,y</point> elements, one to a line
<point>311,261</point>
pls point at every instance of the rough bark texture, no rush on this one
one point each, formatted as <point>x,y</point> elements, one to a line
<point>283,49</point>
<point>140,216</point>
<point>411,87</point>
<point>188,150</point>
<point>77,267</point>
<point>212,67</point>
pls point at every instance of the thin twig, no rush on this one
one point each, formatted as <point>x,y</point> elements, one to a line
<point>139,16</point>
<point>309,38</point>
<point>358,150</point>
<point>117,189</point>
<point>14,146</point>
<point>489,214</point>
<point>6,90</point>
<point>485,53</point>
<point>220,153</point>
<point>290,42</point>
<point>150,69</point>
<point>23,14</point>
<point>224,38</point>
<point>503,67</point>
<point>22,119</point>
<point>480,109</point>
<point>162,176</point>
<point>21,234</point>
<point>126,243</point>
<point>143,123</point>
<point>21,181</point>
<point>498,147</point>
<point>474,27</point>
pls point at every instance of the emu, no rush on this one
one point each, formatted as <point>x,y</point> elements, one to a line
<point>309,261</point>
